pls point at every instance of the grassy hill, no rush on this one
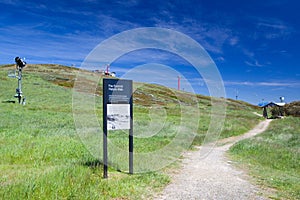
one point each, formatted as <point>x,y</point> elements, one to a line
<point>44,157</point>
<point>273,157</point>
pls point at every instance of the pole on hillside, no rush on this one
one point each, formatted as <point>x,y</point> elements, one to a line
<point>107,69</point>
<point>130,146</point>
<point>20,64</point>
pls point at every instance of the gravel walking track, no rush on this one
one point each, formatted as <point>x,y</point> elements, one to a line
<point>213,176</point>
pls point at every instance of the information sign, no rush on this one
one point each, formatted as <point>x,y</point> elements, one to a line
<point>117,114</point>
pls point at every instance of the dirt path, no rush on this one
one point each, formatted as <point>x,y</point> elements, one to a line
<point>213,177</point>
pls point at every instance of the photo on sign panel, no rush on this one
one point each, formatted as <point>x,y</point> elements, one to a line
<point>118,116</point>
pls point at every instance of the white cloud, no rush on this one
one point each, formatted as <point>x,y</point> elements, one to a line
<point>248,53</point>
<point>11,2</point>
<point>212,37</point>
<point>268,84</point>
<point>272,28</point>
<point>128,3</point>
<point>220,59</point>
<point>233,41</point>
<point>44,46</point>
<point>275,25</point>
<point>254,64</point>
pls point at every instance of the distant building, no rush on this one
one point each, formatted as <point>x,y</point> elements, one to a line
<point>266,105</point>
<point>113,74</point>
<point>104,73</point>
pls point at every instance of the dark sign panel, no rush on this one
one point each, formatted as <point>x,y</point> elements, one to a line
<point>117,91</point>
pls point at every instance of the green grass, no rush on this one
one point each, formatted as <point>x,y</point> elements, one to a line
<point>273,157</point>
<point>77,181</point>
<point>42,156</point>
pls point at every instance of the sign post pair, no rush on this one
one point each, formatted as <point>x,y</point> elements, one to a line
<point>117,114</point>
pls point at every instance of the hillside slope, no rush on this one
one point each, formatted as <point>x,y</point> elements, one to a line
<point>44,156</point>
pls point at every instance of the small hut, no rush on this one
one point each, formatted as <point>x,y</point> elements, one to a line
<point>266,105</point>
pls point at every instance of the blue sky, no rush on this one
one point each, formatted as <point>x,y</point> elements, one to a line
<point>255,44</point>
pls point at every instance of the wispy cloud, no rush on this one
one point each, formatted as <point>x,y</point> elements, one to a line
<point>272,28</point>
<point>11,2</point>
<point>254,64</point>
<point>220,59</point>
<point>44,46</point>
<point>233,40</point>
<point>128,3</point>
<point>251,58</point>
<point>248,53</point>
<point>85,29</point>
<point>268,84</point>
<point>211,36</point>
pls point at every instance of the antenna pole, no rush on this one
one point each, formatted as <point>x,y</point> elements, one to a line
<point>107,69</point>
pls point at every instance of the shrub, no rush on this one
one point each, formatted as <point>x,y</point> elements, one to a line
<point>292,109</point>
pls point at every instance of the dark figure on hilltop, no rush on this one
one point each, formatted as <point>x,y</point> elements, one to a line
<point>20,64</point>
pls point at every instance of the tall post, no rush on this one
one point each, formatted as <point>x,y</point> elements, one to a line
<point>131,132</point>
<point>105,168</point>
<point>19,89</point>
<point>105,162</point>
<point>107,69</point>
